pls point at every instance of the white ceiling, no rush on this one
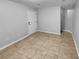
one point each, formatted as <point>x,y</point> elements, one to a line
<point>47,3</point>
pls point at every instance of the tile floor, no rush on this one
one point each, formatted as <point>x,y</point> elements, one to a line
<point>42,46</point>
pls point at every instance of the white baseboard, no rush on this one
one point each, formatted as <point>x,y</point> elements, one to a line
<point>23,38</point>
<point>68,31</point>
<point>14,42</point>
<point>50,32</point>
<point>75,45</point>
<point>73,40</point>
<point>40,31</point>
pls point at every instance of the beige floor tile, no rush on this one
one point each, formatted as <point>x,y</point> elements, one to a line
<point>51,57</point>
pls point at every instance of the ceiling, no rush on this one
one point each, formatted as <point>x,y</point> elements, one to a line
<point>47,3</point>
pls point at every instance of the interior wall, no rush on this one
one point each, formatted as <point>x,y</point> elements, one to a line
<point>63,11</point>
<point>13,21</point>
<point>69,17</point>
<point>32,18</point>
<point>49,20</point>
<point>76,27</point>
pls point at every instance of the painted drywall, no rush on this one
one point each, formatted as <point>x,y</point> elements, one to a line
<point>63,19</point>
<point>69,17</point>
<point>76,27</point>
<point>13,21</point>
<point>32,18</point>
<point>49,20</point>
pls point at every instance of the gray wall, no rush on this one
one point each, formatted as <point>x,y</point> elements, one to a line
<point>76,27</point>
<point>49,20</point>
<point>67,17</point>
<point>32,18</point>
<point>48,15</point>
<point>13,21</point>
<point>63,11</point>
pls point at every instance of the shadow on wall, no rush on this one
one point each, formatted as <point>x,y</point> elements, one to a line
<point>13,21</point>
<point>67,17</point>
